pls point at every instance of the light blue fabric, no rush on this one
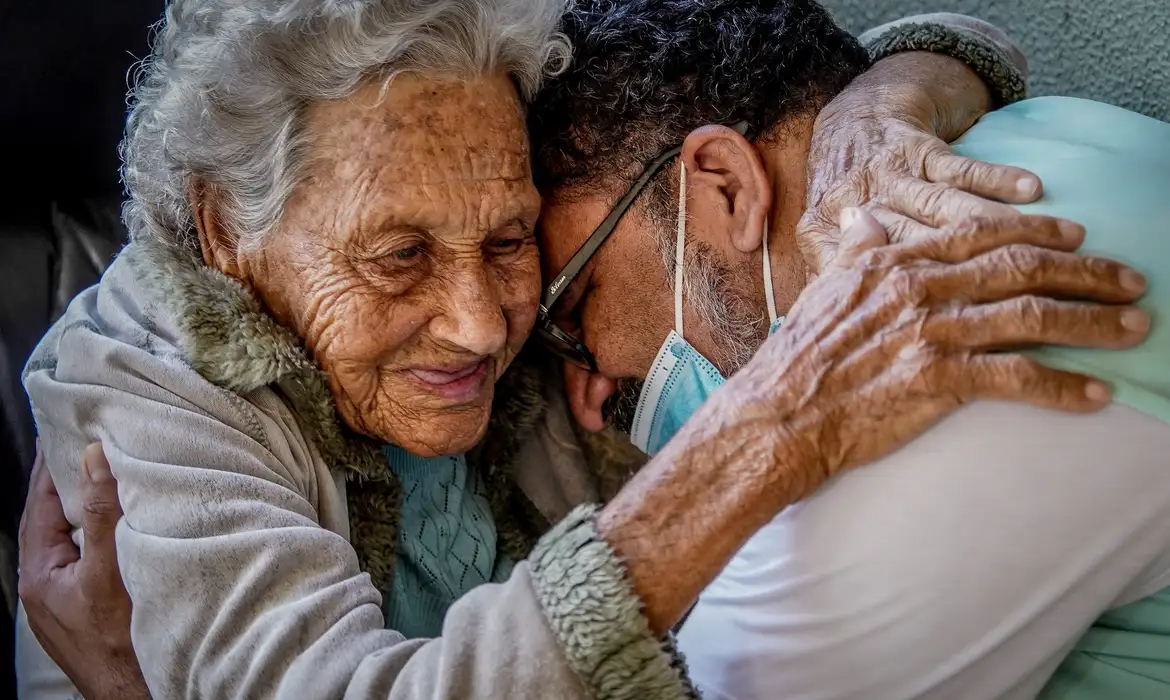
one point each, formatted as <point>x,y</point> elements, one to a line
<point>679,381</point>
<point>446,541</point>
<point>1108,169</point>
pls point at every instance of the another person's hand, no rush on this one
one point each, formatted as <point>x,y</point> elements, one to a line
<point>887,341</point>
<point>76,603</point>
<point>893,337</point>
<point>883,142</point>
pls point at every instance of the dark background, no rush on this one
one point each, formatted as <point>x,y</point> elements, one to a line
<point>64,66</point>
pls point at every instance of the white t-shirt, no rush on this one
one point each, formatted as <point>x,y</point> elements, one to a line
<point>965,565</point>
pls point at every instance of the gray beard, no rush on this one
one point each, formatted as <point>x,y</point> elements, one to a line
<point>622,404</point>
<point>738,327</point>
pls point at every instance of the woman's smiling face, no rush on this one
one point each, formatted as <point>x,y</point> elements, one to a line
<point>405,259</point>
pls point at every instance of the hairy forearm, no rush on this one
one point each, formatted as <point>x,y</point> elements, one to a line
<point>685,514</point>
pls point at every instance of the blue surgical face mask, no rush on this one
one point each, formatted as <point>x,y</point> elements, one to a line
<point>681,379</point>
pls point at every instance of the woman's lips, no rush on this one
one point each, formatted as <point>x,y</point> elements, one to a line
<point>459,383</point>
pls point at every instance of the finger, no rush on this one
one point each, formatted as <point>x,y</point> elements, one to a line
<point>1002,183</point>
<point>860,232</point>
<point>1012,377</point>
<point>979,235</point>
<point>38,482</point>
<point>1015,270</point>
<point>936,204</point>
<point>99,520</point>
<point>817,239</point>
<point>901,229</point>
<point>1030,320</point>
<point>45,532</point>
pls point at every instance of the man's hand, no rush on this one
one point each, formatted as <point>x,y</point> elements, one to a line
<point>882,143</point>
<point>76,604</point>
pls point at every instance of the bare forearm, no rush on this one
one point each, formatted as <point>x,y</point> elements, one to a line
<point>682,518</point>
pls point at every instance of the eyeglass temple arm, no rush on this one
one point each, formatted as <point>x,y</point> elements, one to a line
<point>587,250</point>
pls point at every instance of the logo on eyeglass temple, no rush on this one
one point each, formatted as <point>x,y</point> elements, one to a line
<point>555,286</point>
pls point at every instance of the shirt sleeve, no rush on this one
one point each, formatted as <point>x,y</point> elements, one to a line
<point>964,565</point>
<point>240,592</point>
<point>987,50</point>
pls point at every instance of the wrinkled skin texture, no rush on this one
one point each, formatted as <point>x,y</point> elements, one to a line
<point>878,144</point>
<point>891,155</point>
<point>78,608</point>
<point>408,248</point>
<point>885,343</point>
<point>906,327</point>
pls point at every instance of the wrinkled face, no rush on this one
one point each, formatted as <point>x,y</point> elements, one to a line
<point>406,260</point>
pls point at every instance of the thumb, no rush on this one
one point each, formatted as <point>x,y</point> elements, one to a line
<point>815,236</point>
<point>100,510</point>
<point>860,232</point>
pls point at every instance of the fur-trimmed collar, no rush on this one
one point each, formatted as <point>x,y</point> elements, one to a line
<point>229,339</point>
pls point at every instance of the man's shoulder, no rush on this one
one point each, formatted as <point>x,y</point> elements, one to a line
<point>955,567</point>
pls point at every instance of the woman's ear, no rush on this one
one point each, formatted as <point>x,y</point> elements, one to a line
<point>217,244</point>
<point>727,185</point>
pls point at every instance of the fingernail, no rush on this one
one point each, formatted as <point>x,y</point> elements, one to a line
<point>1135,320</point>
<point>848,217</point>
<point>95,466</point>
<point>1072,232</point>
<point>1097,392</point>
<point>1133,280</point>
<point>1028,187</point>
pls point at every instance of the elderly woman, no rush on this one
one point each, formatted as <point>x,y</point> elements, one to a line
<point>308,377</point>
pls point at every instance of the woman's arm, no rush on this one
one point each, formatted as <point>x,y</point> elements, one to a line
<point>239,592</point>
<point>884,135</point>
<point>989,53</point>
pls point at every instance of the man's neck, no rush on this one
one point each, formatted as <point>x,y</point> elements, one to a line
<point>786,161</point>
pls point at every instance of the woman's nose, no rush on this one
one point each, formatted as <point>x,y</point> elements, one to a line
<point>473,318</point>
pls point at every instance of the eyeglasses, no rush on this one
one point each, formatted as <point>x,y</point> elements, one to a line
<point>564,344</point>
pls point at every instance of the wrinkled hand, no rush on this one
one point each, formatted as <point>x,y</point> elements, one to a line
<point>893,337</point>
<point>878,144</point>
<point>76,604</point>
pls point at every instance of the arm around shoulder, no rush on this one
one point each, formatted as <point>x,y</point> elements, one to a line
<point>240,591</point>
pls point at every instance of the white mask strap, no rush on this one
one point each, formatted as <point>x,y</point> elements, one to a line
<point>680,240</point>
<point>769,295</point>
<point>678,248</point>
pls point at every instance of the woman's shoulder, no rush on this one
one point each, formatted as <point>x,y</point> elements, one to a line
<point>117,367</point>
<point>117,335</point>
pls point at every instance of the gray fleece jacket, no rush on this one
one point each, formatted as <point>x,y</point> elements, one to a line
<point>258,530</point>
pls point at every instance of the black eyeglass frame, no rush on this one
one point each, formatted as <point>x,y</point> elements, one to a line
<point>558,341</point>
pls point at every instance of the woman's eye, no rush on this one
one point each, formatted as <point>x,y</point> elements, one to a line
<point>507,245</point>
<point>407,254</point>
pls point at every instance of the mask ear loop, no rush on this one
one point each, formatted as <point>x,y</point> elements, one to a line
<point>678,248</point>
<point>769,295</point>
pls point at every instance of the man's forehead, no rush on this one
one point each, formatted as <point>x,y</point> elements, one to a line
<point>565,224</point>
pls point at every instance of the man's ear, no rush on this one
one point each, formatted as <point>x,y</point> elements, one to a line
<point>216,242</point>
<point>728,185</point>
<point>587,392</point>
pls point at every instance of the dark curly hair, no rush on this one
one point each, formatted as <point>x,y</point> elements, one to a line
<point>645,73</point>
